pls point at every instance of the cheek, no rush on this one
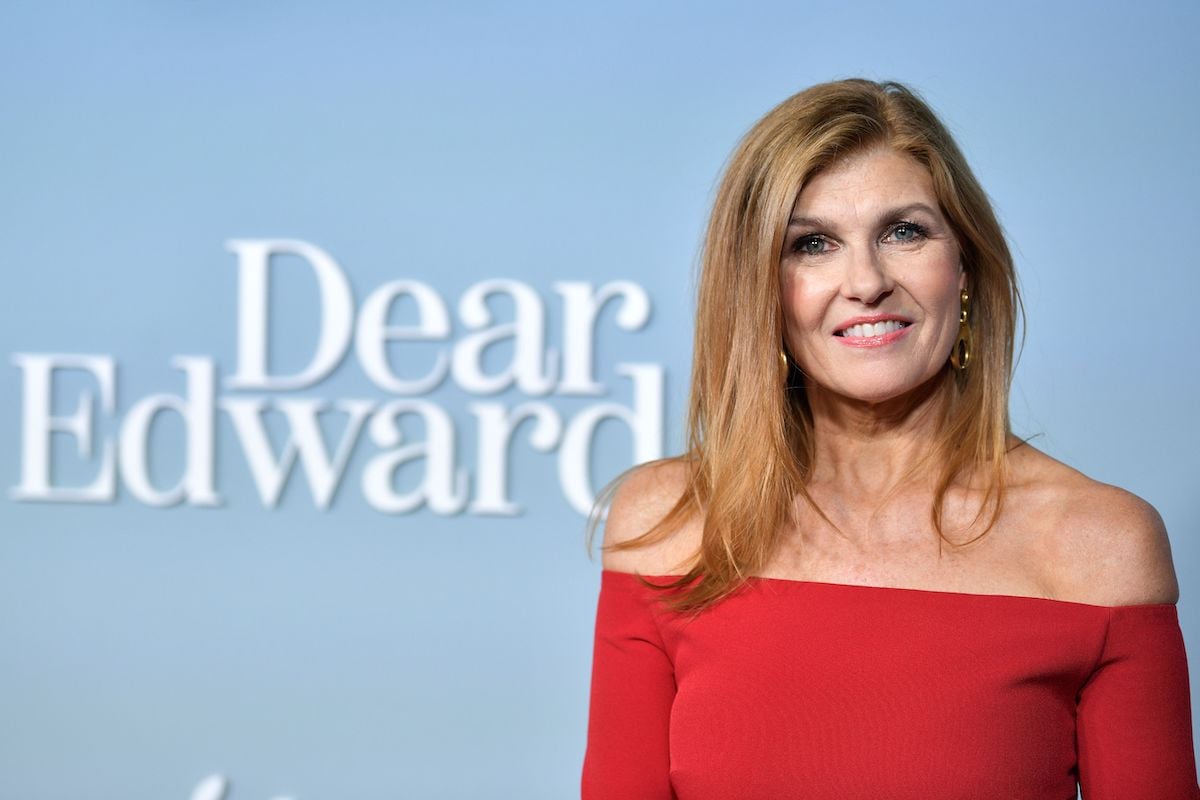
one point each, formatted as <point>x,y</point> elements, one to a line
<point>947,304</point>
<point>803,303</point>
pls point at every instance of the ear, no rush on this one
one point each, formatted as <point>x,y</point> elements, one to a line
<point>962,278</point>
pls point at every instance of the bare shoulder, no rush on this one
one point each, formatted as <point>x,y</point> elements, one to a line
<point>1109,546</point>
<point>643,498</point>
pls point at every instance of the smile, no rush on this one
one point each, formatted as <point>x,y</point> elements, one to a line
<point>877,335</point>
<point>877,329</point>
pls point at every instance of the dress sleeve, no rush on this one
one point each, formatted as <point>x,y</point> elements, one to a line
<point>1134,719</point>
<point>633,686</point>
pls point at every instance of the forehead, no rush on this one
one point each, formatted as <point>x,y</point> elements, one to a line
<point>863,182</point>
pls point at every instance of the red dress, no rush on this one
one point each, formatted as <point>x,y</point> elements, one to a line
<point>826,691</point>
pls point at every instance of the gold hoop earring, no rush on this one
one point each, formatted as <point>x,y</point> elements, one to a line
<point>784,366</point>
<point>960,356</point>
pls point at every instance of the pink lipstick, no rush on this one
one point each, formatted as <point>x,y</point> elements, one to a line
<point>874,341</point>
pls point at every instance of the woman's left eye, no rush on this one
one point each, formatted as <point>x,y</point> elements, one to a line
<point>907,232</point>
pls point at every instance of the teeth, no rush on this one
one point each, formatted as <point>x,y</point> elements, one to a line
<point>878,329</point>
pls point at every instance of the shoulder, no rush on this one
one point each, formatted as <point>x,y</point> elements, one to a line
<point>1107,545</point>
<point>1122,555</point>
<point>644,496</point>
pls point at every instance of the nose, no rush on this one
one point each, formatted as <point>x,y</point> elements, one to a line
<point>867,278</point>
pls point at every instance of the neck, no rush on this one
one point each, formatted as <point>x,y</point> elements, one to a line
<point>866,449</point>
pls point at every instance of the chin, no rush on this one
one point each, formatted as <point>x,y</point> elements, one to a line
<point>876,393</point>
<point>878,399</point>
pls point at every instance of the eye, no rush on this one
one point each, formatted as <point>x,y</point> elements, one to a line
<point>904,232</point>
<point>812,245</point>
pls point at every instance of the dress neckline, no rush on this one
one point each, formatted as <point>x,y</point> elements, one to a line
<point>909,591</point>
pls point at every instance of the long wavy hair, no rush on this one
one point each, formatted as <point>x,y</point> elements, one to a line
<point>751,448</point>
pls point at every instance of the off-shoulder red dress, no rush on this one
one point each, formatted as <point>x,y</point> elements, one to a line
<point>826,691</point>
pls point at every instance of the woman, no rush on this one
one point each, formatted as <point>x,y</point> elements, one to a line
<point>857,583</point>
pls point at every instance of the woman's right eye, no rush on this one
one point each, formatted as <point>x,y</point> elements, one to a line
<point>812,245</point>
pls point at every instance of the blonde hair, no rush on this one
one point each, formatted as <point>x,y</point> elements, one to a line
<point>750,435</point>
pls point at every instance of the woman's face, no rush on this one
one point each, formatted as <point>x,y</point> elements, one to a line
<point>867,239</point>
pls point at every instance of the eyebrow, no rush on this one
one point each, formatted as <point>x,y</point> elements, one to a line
<point>890,214</point>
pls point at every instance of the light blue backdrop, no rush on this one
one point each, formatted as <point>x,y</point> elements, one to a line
<point>349,653</point>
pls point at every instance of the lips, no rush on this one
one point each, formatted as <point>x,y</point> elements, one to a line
<point>874,341</point>
<point>864,330</point>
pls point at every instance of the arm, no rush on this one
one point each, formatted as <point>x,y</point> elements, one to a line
<point>1134,719</point>
<point>633,686</point>
<point>633,678</point>
<point>1133,723</point>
